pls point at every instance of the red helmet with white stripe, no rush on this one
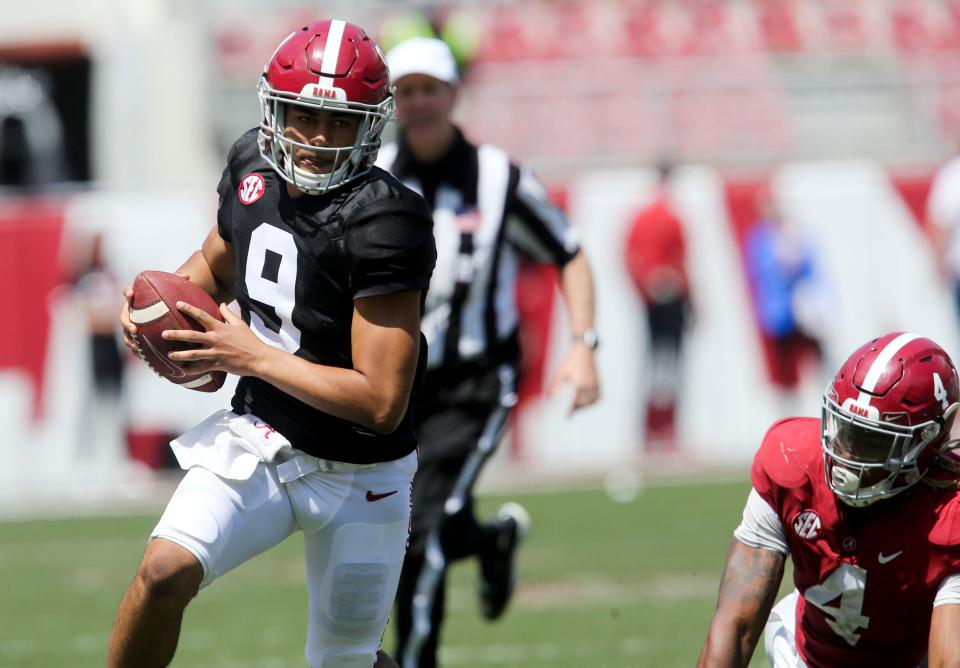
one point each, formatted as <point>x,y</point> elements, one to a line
<point>327,65</point>
<point>885,416</point>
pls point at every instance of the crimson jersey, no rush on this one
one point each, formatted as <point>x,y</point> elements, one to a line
<point>867,579</point>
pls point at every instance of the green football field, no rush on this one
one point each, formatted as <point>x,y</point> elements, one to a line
<point>602,584</point>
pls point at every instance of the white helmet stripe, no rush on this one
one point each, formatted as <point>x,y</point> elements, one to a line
<point>331,54</point>
<point>880,364</point>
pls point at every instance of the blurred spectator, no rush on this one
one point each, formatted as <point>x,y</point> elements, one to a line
<point>943,223</point>
<point>15,159</point>
<point>402,26</point>
<point>96,293</point>
<point>788,293</point>
<point>31,135</point>
<point>459,27</point>
<point>656,260</point>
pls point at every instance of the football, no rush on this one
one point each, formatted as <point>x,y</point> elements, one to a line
<point>153,309</point>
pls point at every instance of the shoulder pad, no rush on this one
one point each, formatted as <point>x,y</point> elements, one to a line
<point>789,455</point>
<point>381,193</point>
<point>244,157</point>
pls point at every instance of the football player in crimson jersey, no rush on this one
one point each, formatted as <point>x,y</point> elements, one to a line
<point>328,258</point>
<point>865,503</point>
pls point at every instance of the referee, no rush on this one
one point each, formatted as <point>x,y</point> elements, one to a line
<point>488,212</point>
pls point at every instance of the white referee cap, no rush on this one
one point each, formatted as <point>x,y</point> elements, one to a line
<point>422,55</point>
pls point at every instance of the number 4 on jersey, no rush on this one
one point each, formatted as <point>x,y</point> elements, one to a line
<point>848,583</point>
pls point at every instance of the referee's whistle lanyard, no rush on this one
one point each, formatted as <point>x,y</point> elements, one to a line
<point>465,272</point>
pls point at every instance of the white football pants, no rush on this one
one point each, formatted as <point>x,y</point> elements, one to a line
<point>355,521</point>
<point>779,639</point>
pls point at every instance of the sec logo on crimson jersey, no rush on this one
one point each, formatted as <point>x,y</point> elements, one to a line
<point>250,188</point>
<point>807,525</point>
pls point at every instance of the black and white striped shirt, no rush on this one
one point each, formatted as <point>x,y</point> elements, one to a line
<point>487,212</point>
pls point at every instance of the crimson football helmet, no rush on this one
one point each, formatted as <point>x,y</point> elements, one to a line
<point>330,65</point>
<point>885,416</point>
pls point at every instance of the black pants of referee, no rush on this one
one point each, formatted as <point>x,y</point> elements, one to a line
<point>451,417</point>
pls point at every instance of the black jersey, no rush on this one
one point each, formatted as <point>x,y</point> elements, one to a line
<point>300,265</point>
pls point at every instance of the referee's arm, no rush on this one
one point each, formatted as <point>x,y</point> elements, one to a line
<point>539,229</point>
<point>579,369</point>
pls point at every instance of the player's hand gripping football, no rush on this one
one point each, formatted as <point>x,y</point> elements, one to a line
<point>129,329</point>
<point>229,346</point>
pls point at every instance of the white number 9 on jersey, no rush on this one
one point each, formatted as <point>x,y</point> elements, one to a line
<point>273,252</point>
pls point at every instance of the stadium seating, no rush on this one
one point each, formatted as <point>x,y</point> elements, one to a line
<point>741,82</point>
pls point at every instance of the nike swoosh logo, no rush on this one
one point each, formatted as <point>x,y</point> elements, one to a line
<point>885,559</point>
<point>173,370</point>
<point>376,497</point>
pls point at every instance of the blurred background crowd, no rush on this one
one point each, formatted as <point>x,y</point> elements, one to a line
<point>761,185</point>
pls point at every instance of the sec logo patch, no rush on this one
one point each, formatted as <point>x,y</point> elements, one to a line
<point>807,525</point>
<point>250,189</point>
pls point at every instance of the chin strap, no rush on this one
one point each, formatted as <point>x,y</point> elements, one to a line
<point>848,483</point>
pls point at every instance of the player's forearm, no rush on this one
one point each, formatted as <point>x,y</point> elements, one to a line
<point>747,592</point>
<point>732,638</point>
<point>198,270</point>
<point>212,267</point>
<point>728,645</point>
<point>576,282</point>
<point>941,661</point>
<point>344,393</point>
<point>942,648</point>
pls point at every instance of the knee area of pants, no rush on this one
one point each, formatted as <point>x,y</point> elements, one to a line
<point>357,660</point>
<point>356,600</point>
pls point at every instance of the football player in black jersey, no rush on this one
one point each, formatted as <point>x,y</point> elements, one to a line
<point>489,215</point>
<point>329,259</point>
